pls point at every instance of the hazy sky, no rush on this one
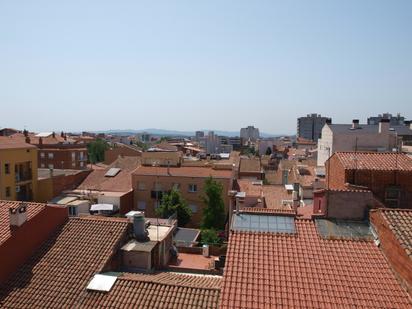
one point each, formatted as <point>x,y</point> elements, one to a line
<point>187,65</point>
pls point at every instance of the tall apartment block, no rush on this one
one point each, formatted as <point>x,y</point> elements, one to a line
<point>250,133</point>
<point>397,120</point>
<point>310,127</point>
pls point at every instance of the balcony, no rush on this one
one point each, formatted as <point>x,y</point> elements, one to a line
<point>22,176</point>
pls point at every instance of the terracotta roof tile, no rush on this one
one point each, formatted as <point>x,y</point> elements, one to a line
<point>162,290</point>
<point>274,195</point>
<point>267,270</point>
<point>32,210</point>
<point>7,142</point>
<point>400,222</point>
<point>250,165</point>
<point>184,171</point>
<point>57,274</point>
<point>375,161</point>
<point>122,182</point>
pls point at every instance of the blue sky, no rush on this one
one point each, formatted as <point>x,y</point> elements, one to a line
<point>186,65</point>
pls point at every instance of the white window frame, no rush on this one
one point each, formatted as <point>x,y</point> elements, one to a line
<point>192,188</point>
<point>50,155</point>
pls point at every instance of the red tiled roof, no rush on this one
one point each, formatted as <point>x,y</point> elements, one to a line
<point>248,186</point>
<point>374,161</point>
<point>274,194</point>
<point>250,165</point>
<point>58,272</point>
<point>184,171</point>
<point>162,290</point>
<point>267,270</point>
<point>122,182</point>
<point>7,142</point>
<point>400,222</point>
<point>32,210</point>
<point>278,211</point>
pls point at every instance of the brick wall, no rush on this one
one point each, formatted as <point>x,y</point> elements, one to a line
<point>111,155</point>
<point>393,250</point>
<point>25,239</point>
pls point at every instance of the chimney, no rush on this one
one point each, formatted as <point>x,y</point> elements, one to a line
<point>40,141</point>
<point>18,215</point>
<point>25,132</point>
<point>62,134</point>
<point>27,140</point>
<point>295,196</point>
<point>329,121</point>
<point>139,227</point>
<point>355,124</point>
<point>384,126</point>
<point>54,134</point>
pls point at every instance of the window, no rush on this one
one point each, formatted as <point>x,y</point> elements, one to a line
<point>42,155</point>
<point>192,188</point>
<point>7,168</point>
<point>73,164</point>
<point>156,204</point>
<point>73,156</point>
<point>193,207</point>
<point>8,192</point>
<point>393,197</point>
<point>81,155</point>
<point>141,186</point>
<point>73,211</point>
<point>141,205</point>
<point>82,164</point>
<point>50,155</point>
<point>51,166</point>
<point>42,165</point>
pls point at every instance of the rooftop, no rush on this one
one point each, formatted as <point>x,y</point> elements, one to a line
<point>121,182</point>
<point>367,129</point>
<point>386,161</point>
<point>57,273</point>
<point>7,142</point>
<point>5,230</point>
<point>250,165</point>
<point>400,223</point>
<point>184,171</point>
<point>160,290</point>
<point>303,270</point>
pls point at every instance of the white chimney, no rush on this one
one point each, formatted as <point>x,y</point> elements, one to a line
<point>384,126</point>
<point>18,215</point>
<point>295,196</point>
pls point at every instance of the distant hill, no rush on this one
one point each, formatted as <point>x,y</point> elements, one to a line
<point>162,132</point>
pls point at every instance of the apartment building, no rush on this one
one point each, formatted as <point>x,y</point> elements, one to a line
<point>150,183</point>
<point>249,133</point>
<point>18,170</point>
<point>310,127</point>
<point>397,120</point>
<point>356,137</point>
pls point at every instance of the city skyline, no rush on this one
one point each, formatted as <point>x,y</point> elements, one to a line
<point>187,66</point>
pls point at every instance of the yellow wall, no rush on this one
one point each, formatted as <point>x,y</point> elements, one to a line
<point>44,190</point>
<point>13,157</point>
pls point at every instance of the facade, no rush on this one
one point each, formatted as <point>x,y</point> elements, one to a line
<point>18,170</point>
<point>356,137</point>
<point>310,127</point>
<point>149,183</point>
<point>24,226</point>
<point>387,175</point>
<point>397,120</point>
<point>120,150</point>
<point>249,133</point>
<point>393,228</point>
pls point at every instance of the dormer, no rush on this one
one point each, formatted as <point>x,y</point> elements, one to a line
<point>18,215</point>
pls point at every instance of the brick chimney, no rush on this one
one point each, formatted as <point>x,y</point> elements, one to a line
<point>384,126</point>
<point>18,215</point>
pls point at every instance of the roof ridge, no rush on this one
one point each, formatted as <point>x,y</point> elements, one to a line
<point>100,218</point>
<point>140,278</point>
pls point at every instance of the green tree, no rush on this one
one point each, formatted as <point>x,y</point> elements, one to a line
<point>268,151</point>
<point>171,203</point>
<point>96,150</point>
<point>210,237</point>
<point>214,212</point>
